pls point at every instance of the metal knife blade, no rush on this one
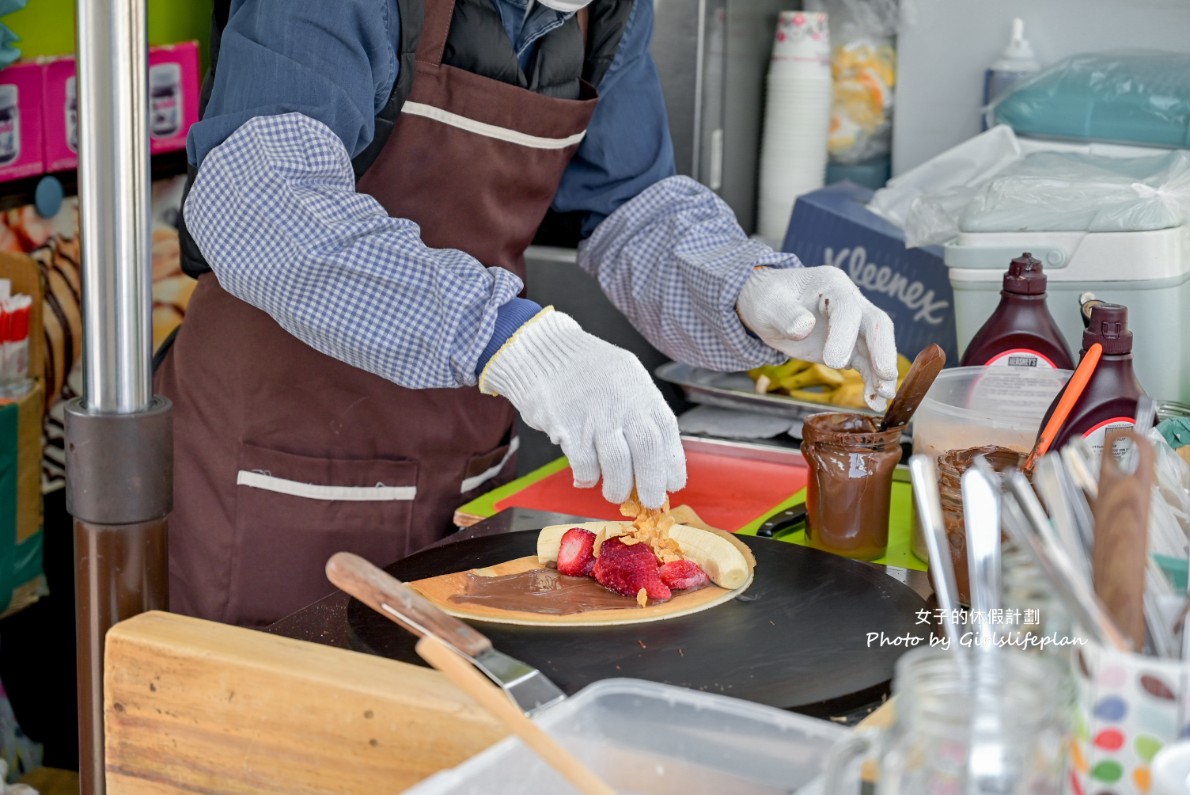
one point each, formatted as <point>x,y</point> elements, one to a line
<point>529,688</point>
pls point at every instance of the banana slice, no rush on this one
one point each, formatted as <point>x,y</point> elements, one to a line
<point>726,560</point>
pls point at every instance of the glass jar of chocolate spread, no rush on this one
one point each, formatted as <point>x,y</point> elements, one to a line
<point>165,100</point>
<point>851,466</point>
<point>951,466</point>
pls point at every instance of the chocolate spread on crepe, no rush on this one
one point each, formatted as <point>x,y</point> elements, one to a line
<point>541,591</point>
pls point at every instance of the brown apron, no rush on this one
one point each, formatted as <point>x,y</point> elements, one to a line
<point>284,455</point>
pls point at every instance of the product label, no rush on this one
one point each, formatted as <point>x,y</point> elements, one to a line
<point>72,128</point>
<point>1105,432</point>
<point>1021,357</point>
<point>166,117</point>
<point>10,145</point>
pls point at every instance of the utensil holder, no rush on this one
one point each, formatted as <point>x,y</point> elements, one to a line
<point>1128,707</point>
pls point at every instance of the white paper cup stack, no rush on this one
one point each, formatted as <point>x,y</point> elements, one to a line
<point>797,114</point>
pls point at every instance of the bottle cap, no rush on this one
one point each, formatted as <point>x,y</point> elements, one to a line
<point>1025,276</point>
<point>1019,49</point>
<point>1109,327</point>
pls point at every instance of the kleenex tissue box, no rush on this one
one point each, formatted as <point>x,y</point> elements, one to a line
<point>832,226</point>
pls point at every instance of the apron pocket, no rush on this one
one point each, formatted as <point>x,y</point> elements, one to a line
<point>488,471</point>
<point>293,512</point>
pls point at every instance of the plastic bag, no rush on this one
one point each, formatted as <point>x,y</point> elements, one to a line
<point>863,73</point>
<point>926,201</point>
<point>1127,97</point>
<point>1063,191</point>
<point>997,182</point>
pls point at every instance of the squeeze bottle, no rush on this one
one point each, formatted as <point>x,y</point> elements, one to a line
<point>1108,402</point>
<point>1021,332</point>
<point>1015,64</point>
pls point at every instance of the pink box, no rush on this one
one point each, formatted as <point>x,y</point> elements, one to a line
<point>174,85</point>
<point>60,113</point>
<point>21,90</point>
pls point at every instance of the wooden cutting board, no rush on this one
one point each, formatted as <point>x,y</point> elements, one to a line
<point>798,638</point>
<point>195,706</point>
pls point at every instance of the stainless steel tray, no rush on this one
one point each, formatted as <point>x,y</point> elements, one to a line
<point>735,391</point>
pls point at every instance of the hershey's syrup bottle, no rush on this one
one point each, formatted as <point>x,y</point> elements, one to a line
<point>1021,332</point>
<point>1108,402</point>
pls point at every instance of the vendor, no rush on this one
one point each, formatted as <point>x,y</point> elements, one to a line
<point>368,176</point>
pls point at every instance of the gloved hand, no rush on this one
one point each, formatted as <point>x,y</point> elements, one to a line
<point>819,315</point>
<point>594,400</point>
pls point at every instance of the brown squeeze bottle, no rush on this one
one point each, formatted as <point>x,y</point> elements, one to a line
<point>1108,402</point>
<point>1021,332</point>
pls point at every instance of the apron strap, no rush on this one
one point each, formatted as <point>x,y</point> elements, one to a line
<point>435,31</point>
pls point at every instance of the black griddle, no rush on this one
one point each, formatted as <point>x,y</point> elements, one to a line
<point>796,639</point>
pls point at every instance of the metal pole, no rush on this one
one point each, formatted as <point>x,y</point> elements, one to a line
<point>114,199</point>
<point>118,435</point>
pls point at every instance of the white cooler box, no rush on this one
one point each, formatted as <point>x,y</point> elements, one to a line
<point>1148,272</point>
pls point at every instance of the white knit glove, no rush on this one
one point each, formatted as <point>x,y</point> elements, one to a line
<point>819,315</point>
<point>594,400</point>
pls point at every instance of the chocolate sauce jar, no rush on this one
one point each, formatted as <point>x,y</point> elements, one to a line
<point>851,466</point>
<point>951,466</point>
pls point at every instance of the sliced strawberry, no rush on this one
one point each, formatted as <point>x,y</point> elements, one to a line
<point>683,575</point>
<point>627,568</point>
<point>576,553</point>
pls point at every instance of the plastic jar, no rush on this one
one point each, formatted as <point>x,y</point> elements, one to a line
<point>165,100</point>
<point>72,114</point>
<point>10,125</point>
<point>851,465</point>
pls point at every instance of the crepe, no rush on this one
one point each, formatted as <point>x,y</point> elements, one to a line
<point>440,589</point>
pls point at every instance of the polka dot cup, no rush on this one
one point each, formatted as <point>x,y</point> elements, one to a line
<point>1129,707</point>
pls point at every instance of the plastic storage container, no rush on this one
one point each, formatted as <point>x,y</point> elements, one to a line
<point>645,737</point>
<point>978,406</point>
<point>982,406</point>
<point>1149,269</point>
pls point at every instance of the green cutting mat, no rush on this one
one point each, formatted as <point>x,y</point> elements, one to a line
<point>900,530</point>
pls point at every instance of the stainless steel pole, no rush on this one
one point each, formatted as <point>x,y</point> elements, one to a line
<point>119,449</point>
<point>114,197</point>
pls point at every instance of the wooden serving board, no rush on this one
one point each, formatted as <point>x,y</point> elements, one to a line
<point>194,706</point>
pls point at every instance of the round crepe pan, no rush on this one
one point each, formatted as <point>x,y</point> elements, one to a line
<point>815,632</point>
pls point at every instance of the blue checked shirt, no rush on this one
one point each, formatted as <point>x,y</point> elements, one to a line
<point>275,212</point>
